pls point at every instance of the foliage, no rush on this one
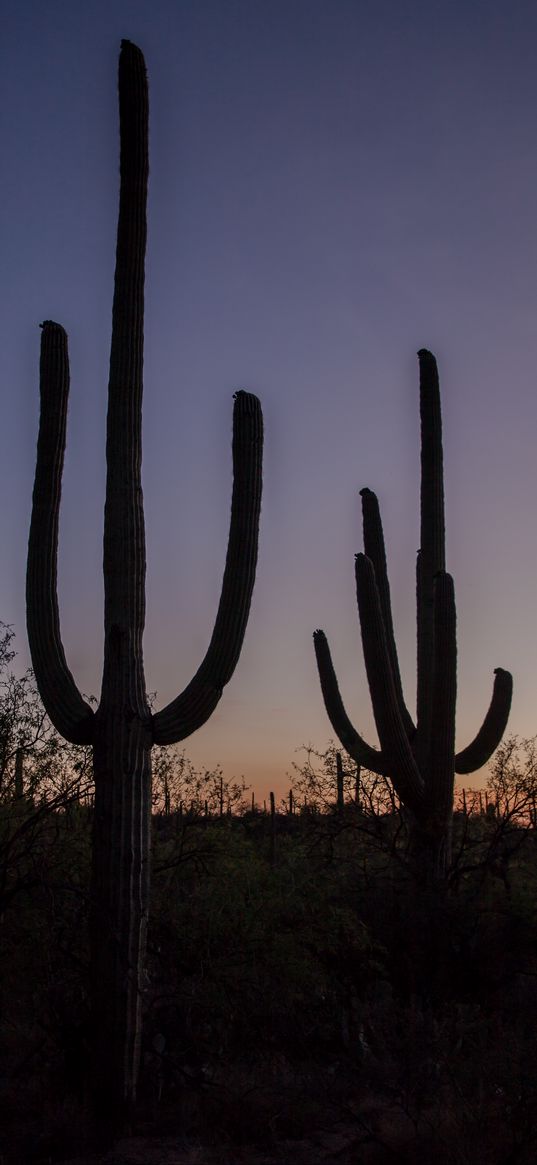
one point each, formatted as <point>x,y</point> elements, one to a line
<point>180,787</point>
<point>512,782</point>
<point>54,777</point>
<point>285,998</point>
<point>264,953</point>
<point>51,768</point>
<point>314,784</point>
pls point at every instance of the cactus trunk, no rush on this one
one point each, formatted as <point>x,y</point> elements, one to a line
<point>120,882</point>
<point>122,739</point>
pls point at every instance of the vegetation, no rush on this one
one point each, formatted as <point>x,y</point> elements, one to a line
<point>292,999</point>
<point>122,729</point>
<point>419,758</point>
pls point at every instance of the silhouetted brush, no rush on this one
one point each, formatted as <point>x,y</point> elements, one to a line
<point>122,730</point>
<point>419,758</point>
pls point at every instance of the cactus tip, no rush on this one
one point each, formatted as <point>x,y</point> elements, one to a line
<point>131,51</point>
<point>51,326</point>
<point>246,401</point>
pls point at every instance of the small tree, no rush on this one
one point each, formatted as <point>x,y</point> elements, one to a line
<point>178,785</point>
<point>321,782</point>
<point>41,777</point>
<point>512,783</point>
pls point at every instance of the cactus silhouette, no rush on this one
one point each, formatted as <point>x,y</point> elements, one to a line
<point>122,729</point>
<point>420,758</point>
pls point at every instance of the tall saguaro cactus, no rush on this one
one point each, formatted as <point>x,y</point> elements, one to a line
<point>419,758</point>
<point>122,730</point>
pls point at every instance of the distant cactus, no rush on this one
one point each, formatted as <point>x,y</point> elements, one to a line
<point>340,802</point>
<point>122,730</point>
<point>419,759</point>
<point>272,829</point>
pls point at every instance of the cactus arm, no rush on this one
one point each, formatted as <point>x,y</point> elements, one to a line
<point>432,542</point>
<point>396,750</point>
<point>493,727</point>
<point>439,786</point>
<point>375,551</point>
<point>194,705</point>
<point>69,713</point>
<point>361,752</point>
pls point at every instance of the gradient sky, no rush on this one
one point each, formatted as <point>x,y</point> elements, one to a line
<point>334,184</point>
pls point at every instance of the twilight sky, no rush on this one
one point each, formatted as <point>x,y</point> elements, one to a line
<point>334,184</point>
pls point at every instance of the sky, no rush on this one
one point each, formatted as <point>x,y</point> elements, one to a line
<point>334,184</point>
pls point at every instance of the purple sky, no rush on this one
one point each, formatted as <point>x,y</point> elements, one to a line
<point>334,184</point>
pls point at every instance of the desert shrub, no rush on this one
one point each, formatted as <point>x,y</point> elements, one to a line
<point>247,957</point>
<point>323,982</point>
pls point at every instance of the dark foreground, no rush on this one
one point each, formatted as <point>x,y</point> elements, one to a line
<point>305,1002</point>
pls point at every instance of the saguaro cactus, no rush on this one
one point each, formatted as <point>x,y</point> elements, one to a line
<point>122,730</point>
<point>419,758</point>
